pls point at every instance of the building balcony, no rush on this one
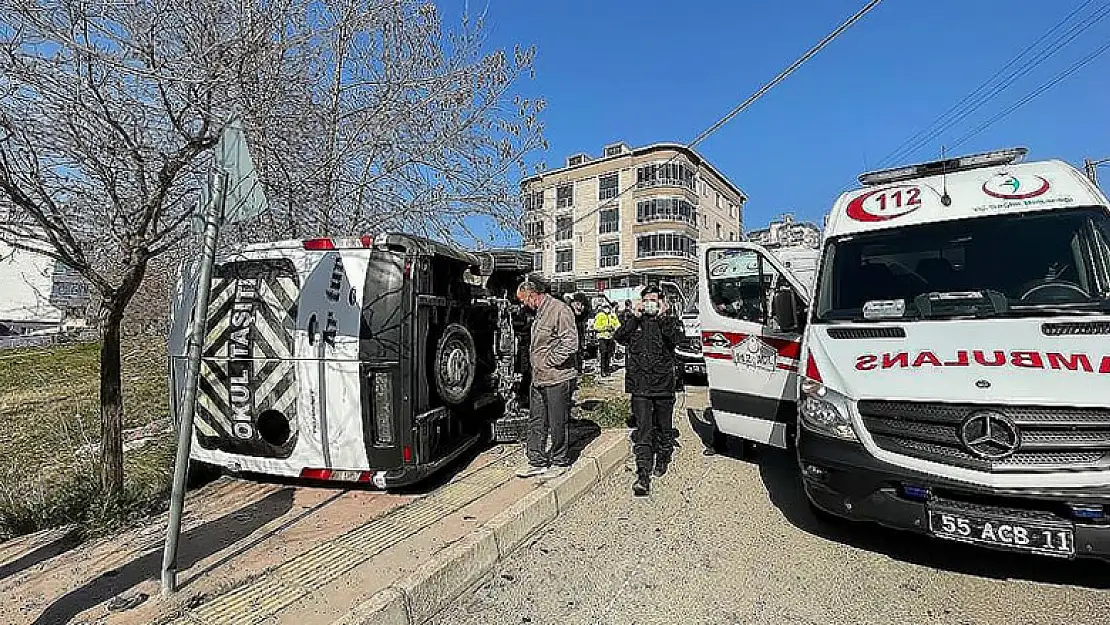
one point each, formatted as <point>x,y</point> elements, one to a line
<point>656,189</point>
<point>665,225</point>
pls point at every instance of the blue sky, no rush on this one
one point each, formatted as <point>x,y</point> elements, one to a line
<point>646,71</point>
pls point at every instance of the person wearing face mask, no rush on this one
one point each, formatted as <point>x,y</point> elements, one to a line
<point>650,337</point>
<point>552,355</point>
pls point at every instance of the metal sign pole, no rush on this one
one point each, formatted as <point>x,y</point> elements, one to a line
<point>213,216</point>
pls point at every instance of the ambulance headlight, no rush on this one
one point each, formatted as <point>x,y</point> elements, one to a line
<point>825,412</point>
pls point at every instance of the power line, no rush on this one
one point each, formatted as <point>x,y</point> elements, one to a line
<point>1036,92</point>
<point>955,107</point>
<point>1076,31</point>
<point>786,72</point>
<point>748,102</point>
<point>973,101</point>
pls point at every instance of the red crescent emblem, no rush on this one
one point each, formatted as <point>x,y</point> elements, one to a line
<point>1018,196</point>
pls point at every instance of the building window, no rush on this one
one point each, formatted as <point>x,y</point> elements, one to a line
<point>533,232</point>
<point>718,200</point>
<point>607,187</point>
<point>564,260</point>
<point>665,244</point>
<point>665,174</point>
<point>666,209</point>
<point>613,150</point>
<point>537,261</point>
<point>564,196</point>
<point>564,229</point>
<point>576,160</point>
<point>718,232</point>
<point>732,236</point>
<point>610,255</point>
<point>609,220</point>
<point>533,201</point>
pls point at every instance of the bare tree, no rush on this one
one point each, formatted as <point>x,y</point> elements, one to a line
<point>408,128</point>
<point>363,114</point>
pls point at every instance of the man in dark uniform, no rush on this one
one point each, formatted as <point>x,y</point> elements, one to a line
<point>650,336</point>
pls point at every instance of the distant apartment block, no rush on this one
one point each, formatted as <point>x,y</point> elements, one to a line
<point>628,218</point>
<point>785,232</point>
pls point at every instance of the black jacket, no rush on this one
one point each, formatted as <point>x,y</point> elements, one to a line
<point>650,364</point>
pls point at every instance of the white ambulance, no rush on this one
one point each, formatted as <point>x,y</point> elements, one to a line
<point>952,361</point>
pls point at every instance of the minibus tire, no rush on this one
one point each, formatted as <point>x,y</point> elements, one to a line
<point>456,341</point>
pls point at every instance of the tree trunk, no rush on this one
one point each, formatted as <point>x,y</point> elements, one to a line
<point>111,402</point>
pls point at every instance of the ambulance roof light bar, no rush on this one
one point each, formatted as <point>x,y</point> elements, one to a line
<point>947,166</point>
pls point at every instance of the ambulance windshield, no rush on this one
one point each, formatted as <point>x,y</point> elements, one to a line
<point>1030,264</point>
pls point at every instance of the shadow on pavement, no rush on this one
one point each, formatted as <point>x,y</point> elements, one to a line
<point>41,554</point>
<point>259,539</point>
<point>779,471</point>
<point>582,433</point>
<point>196,544</point>
<point>449,472</point>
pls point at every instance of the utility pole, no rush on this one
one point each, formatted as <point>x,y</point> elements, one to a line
<point>237,196</point>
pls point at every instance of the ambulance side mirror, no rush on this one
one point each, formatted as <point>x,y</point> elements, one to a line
<point>784,307</point>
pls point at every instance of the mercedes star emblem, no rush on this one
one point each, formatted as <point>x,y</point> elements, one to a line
<point>989,435</point>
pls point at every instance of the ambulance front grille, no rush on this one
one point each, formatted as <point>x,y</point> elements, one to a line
<point>1070,439</point>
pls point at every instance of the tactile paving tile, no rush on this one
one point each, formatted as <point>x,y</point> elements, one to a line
<point>313,569</point>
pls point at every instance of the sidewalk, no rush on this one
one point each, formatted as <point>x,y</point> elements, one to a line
<point>234,530</point>
<point>276,553</point>
<point>423,554</point>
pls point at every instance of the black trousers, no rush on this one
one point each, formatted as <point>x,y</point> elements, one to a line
<point>605,348</point>
<point>653,438</point>
<point>549,414</point>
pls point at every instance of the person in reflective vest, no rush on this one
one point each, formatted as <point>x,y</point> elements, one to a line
<point>606,324</point>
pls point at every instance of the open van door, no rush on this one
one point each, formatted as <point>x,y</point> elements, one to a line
<point>752,315</point>
<point>674,295</point>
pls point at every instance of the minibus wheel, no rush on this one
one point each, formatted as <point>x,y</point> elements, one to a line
<point>455,364</point>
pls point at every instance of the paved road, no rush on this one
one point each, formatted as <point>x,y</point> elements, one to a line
<point>723,540</point>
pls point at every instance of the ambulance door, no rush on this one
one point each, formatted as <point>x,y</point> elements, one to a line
<point>751,361</point>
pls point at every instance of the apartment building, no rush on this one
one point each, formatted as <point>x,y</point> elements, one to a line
<point>628,218</point>
<point>785,232</point>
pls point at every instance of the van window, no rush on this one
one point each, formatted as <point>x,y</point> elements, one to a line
<point>741,284</point>
<point>383,307</point>
<point>1034,263</point>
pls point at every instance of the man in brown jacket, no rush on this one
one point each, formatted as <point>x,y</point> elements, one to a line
<point>553,355</point>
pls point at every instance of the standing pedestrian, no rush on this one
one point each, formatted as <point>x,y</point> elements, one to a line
<point>626,310</point>
<point>650,378</point>
<point>581,317</point>
<point>554,345</point>
<point>606,324</point>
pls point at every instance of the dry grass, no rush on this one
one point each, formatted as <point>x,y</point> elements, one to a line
<point>49,410</point>
<point>610,412</point>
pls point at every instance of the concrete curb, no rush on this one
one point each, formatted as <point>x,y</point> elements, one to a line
<point>418,597</point>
